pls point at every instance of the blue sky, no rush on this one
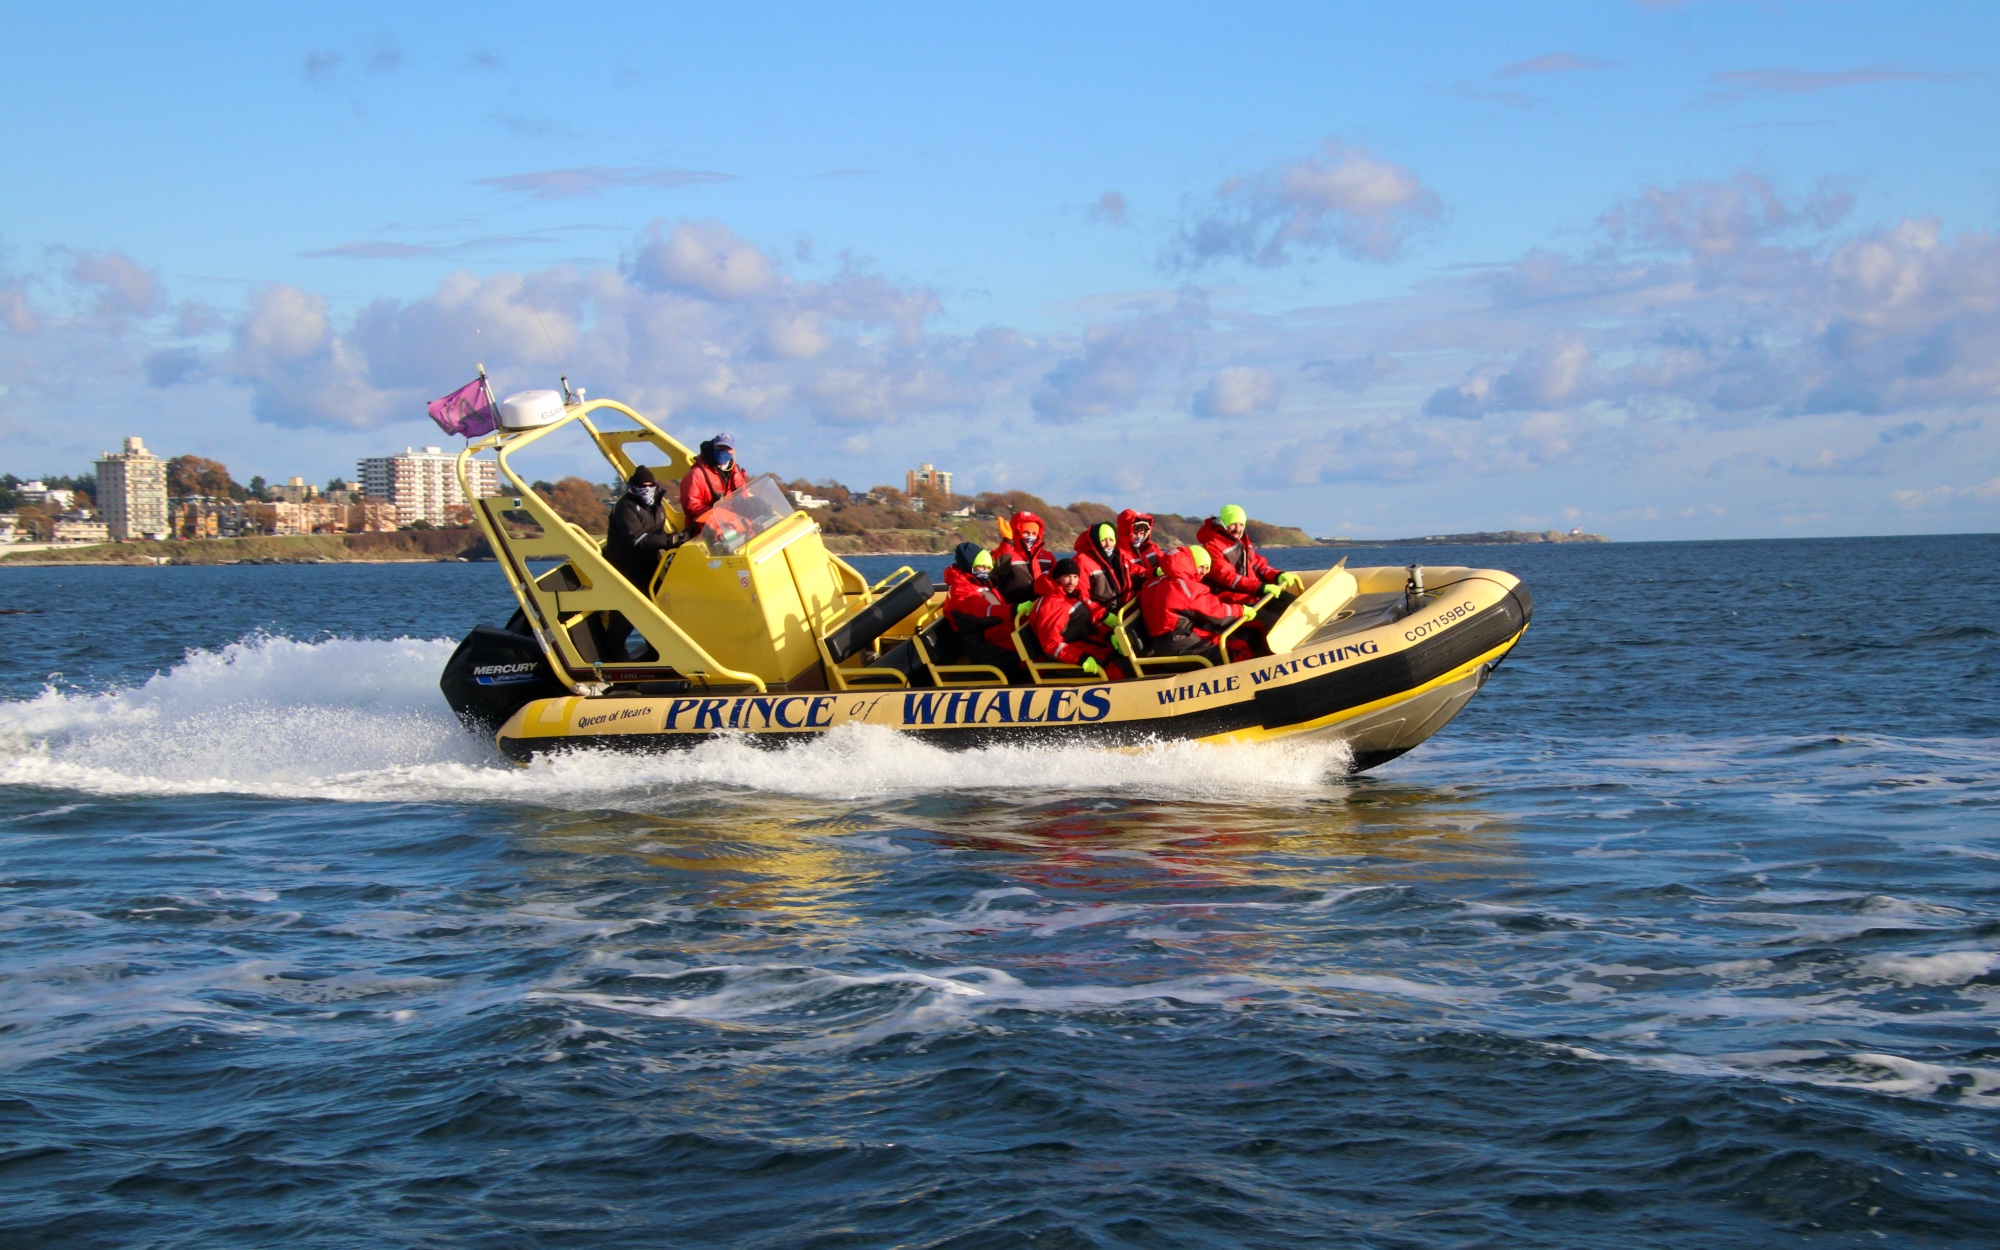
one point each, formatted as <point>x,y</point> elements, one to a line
<point>1659,270</point>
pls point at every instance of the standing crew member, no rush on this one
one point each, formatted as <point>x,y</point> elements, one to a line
<point>633,542</point>
<point>979,617</point>
<point>1021,559</point>
<point>715,474</point>
<point>1070,624</point>
<point>1183,616</point>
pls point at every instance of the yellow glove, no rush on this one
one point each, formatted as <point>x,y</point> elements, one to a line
<point>1022,609</point>
<point>1249,613</point>
<point>1292,582</point>
<point>1091,666</point>
<point>1119,645</point>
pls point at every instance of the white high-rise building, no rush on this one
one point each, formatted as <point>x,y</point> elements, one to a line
<point>424,484</point>
<point>132,493</point>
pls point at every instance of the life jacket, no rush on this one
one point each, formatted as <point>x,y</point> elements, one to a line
<point>1234,566</point>
<point>1141,562</point>
<point>704,484</point>
<point>1178,601</point>
<point>1016,565</point>
<point>976,609</point>
<point>1106,579</point>
<point>1066,625</point>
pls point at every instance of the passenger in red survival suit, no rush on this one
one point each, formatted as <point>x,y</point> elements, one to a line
<point>1183,616</point>
<point>979,616</point>
<point>1070,624</point>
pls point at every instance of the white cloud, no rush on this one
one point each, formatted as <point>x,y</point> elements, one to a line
<point>703,257</point>
<point>1343,198</point>
<point>1238,391</point>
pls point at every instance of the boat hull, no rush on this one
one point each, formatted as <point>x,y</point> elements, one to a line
<point>1381,690</point>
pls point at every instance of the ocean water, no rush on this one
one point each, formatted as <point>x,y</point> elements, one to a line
<point>1685,933</point>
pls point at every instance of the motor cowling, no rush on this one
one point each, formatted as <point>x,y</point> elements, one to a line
<point>493,673</point>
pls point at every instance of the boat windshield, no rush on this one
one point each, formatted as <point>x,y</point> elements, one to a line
<point>741,515</point>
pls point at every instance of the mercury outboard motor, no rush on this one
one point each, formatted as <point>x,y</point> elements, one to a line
<point>494,672</point>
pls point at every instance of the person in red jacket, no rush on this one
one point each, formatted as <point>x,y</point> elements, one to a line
<point>1070,624</point>
<point>1238,572</point>
<point>1102,571</point>
<point>982,621</point>
<point>1136,547</point>
<point>1022,558</point>
<point>715,474</point>
<point>1182,615</point>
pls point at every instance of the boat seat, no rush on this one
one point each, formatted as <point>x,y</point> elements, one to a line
<point>857,631</point>
<point>942,658</point>
<point>1123,625</point>
<point>865,626</point>
<point>1041,669</point>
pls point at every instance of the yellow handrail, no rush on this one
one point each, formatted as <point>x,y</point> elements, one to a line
<point>602,587</point>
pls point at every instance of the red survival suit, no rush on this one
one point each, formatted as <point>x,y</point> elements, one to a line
<point>1069,627</point>
<point>1017,564</point>
<point>1106,579</point>
<point>1237,570</point>
<point>1182,614</point>
<point>1142,560</point>
<point>704,484</point>
<point>982,619</point>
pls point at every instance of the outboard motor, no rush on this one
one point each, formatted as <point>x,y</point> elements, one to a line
<point>1413,590</point>
<point>494,672</point>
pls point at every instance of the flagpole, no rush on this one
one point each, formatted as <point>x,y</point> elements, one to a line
<point>485,384</point>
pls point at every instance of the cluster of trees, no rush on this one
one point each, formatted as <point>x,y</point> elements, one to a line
<point>85,488</point>
<point>38,520</point>
<point>884,508</point>
<point>587,504</point>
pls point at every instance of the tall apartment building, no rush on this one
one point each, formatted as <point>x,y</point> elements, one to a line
<point>424,484</point>
<point>929,477</point>
<point>132,493</point>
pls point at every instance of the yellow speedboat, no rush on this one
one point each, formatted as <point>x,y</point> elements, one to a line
<point>753,628</point>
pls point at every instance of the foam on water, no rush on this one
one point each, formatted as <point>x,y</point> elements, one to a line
<point>362,721</point>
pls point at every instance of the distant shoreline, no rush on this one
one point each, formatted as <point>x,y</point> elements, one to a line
<point>449,546</point>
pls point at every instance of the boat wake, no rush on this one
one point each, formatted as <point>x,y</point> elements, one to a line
<point>362,721</point>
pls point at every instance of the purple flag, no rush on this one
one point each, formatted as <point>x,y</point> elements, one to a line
<point>467,410</point>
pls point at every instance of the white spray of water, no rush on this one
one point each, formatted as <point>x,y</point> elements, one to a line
<point>363,721</point>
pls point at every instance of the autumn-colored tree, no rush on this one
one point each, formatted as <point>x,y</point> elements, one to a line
<point>194,475</point>
<point>578,502</point>
<point>36,522</point>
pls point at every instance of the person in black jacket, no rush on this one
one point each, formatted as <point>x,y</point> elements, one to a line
<point>638,534</point>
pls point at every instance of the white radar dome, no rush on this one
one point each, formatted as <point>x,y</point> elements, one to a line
<point>530,410</point>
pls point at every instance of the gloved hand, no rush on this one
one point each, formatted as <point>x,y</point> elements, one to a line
<point>1091,666</point>
<point>1292,582</point>
<point>1022,609</point>
<point>1271,590</point>
<point>1249,613</point>
<point>1119,645</point>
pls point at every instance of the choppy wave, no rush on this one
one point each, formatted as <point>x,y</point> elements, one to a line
<point>362,721</point>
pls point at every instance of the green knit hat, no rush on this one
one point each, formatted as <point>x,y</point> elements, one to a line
<point>1232,514</point>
